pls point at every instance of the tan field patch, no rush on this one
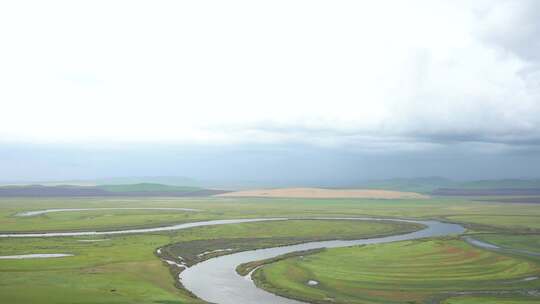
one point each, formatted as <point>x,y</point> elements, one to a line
<point>325,193</point>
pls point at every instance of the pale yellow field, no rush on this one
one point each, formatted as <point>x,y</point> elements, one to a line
<point>325,193</point>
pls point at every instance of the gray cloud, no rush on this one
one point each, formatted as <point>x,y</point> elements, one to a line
<point>345,91</point>
<point>261,164</point>
<point>513,26</point>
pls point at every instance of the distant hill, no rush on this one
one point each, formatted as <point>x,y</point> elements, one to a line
<point>500,183</point>
<point>443,186</point>
<point>487,192</point>
<point>421,184</point>
<point>141,189</point>
<point>147,187</point>
<point>181,186</point>
<point>164,180</point>
<point>501,187</point>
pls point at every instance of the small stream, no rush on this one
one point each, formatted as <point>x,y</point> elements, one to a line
<point>34,256</point>
<point>40,212</point>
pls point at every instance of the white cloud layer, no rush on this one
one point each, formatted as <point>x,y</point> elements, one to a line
<point>323,72</point>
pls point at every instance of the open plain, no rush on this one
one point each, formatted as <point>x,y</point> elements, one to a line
<point>270,152</point>
<point>143,267</point>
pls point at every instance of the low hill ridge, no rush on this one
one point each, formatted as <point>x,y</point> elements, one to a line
<point>141,189</point>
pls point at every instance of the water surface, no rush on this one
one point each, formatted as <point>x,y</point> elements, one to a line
<point>34,256</point>
<point>40,212</point>
<point>216,281</point>
<point>138,230</point>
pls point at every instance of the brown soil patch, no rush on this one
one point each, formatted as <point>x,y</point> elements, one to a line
<point>325,193</point>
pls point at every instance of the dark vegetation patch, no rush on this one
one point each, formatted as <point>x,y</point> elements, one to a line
<point>193,252</point>
<point>515,200</point>
<point>146,187</point>
<point>429,184</point>
<point>246,268</point>
<point>486,192</point>
<point>143,189</point>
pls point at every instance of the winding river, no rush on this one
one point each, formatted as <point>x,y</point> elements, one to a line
<point>139,230</point>
<point>216,281</point>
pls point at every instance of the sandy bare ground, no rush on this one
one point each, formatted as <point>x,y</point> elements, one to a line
<point>325,193</point>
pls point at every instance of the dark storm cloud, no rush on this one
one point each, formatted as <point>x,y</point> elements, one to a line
<point>260,165</point>
<point>512,137</point>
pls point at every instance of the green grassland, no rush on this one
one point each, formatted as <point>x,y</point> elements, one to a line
<point>490,300</point>
<point>246,268</point>
<point>478,215</point>
<point>125,268</point>
<point>520,242</point>
<point>403,272</point>
<point>97,220</point>
<point>516,221</point>
<point>268,234</point>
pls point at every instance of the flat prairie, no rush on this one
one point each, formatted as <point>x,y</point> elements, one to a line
<point>325,193</point>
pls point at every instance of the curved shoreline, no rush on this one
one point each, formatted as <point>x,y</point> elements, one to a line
<point>490,246</point>
<point>216,280</point>
<point>181,226</point>
<point>140,230</point>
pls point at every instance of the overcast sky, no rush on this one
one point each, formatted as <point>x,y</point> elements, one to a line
<point>421,87</point>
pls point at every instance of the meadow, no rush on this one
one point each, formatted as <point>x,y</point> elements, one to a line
<point>402,272</point>
<point>477,215</point>
<point>126,268</point>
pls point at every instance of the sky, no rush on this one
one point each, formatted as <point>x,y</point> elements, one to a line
<point>269,90</point>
